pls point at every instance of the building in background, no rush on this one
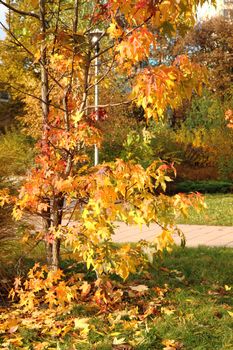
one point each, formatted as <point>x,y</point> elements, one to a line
<point>223,8</point>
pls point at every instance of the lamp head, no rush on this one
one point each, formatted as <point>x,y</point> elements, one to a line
<point>95,35</point>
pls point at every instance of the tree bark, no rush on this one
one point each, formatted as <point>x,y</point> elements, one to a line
<point>45,117</point>
<point>57,209</point>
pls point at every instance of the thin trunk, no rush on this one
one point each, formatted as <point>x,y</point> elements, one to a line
<point>44,75</point>
<point>57,220</point>
<point>55,254</point>
<point>76,13</point>
<point>46,226</point>
<point>45,115</point>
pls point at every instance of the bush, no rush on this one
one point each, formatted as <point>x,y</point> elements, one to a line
<point>206,112</point>
<point>203,187</point>
<point>147,144</point>
<point>16,153</point>
<point>205,137</point>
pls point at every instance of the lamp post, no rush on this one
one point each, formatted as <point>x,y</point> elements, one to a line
<point>95,37</point>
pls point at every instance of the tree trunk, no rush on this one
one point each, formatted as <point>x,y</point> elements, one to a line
<point>55,254</point>
<point>45,116</point>
<point>57,211</point>
<point>46,217</point>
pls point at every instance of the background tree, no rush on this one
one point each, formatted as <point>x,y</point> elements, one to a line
<point>204,124</point>
<point>210,43</point>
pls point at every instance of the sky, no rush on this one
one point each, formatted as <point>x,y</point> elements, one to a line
<point>206,11</point>
<point>2,19</point>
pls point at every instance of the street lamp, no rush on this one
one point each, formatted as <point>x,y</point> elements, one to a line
<point>95,37</point>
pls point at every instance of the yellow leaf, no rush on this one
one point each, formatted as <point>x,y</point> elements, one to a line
<point>90,225</point>
<point>118,341</point>
<point>81,323</point>
<point>4,197</point>
<point>114,31</point>
<point>227,288</point>
<point>40,346</point>
<point>12,325</point>
<point>77,117</point>
<point>167,311</point>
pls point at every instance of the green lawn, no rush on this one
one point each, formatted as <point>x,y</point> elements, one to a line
<point>219,211</point>
<point>201,297</point>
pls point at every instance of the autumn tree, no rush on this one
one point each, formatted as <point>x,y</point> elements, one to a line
<point>57,37</point>
<point>210,43</point>
<point>202,119</point>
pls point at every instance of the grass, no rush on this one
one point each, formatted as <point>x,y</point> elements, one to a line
<point>190,292</point>
<point>197,298</point>
<point>201,299</point>
<point>219,211</point>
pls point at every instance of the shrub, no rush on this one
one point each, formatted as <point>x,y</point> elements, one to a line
<point>147,144</point>
<point>205,137</point>
<point>203,187</point>
<point>16,153</point>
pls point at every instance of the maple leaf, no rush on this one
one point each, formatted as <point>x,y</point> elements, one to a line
<point>77,117</point>
<point>4,197</point>
<point>85,289</point>
<point>12,325</point>
<point>114,30</point>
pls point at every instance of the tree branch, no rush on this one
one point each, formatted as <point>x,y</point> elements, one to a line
<point>111,104</point>
<point>33,96</point>
<point>20,12</point>
<point>103,76</point>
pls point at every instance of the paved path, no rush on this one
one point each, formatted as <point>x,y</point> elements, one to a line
<point>195,234</point>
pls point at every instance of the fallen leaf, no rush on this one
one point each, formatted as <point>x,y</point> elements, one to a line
<point>172,344</point>
<point>81,323</point>
<point>118,341</point>
<point>141,288</point>
<point>85,289</point>
<point>227,288</point>
<point>167,311</point>
<point>12,325</point>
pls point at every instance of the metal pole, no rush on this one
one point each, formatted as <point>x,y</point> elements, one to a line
<point>96,151</point>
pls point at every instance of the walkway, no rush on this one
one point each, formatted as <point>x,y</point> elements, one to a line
<point>195,234</point>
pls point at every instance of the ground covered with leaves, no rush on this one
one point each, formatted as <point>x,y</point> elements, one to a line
<point>182,302</point>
